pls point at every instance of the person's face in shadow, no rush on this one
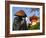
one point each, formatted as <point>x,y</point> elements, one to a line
<point>20,18</point>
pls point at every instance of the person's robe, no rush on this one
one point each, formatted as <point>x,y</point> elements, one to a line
<point>19,25</point>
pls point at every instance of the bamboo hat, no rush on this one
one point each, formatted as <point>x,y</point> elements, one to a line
<point>21,13</point>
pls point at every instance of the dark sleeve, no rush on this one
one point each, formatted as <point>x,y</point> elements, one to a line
<point>15,24</point>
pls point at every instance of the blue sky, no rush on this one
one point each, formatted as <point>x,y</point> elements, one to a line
<point>26,10</point>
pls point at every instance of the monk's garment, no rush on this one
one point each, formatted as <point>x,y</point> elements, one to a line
<point>19,24</point>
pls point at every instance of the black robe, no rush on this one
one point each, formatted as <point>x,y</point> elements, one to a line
<point>17,24</point>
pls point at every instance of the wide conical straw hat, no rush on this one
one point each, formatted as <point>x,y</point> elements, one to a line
<point>20,13</point>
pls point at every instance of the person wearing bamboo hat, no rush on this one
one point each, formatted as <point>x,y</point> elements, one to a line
<point>20,21</point>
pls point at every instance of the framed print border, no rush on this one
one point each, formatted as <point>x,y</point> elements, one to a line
<point>7,18</point>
